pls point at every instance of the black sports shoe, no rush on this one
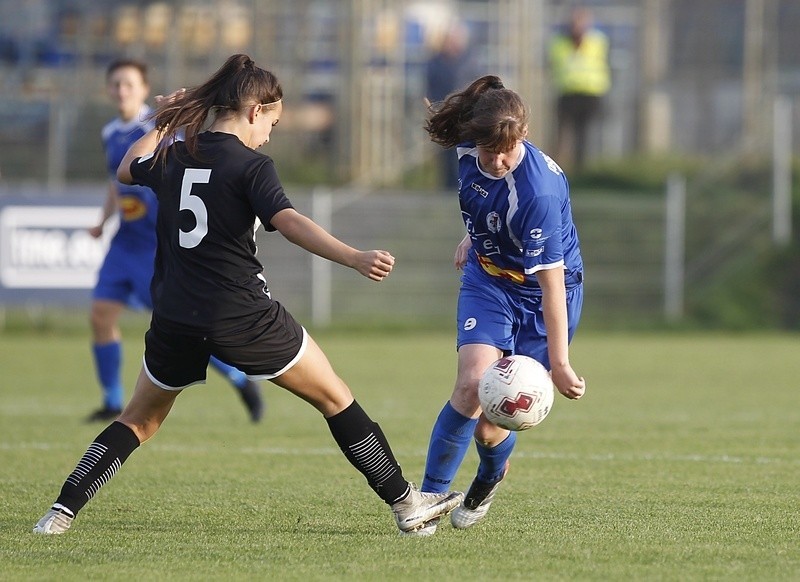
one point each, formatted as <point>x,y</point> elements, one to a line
<point>251,396</point>
<point>104,414</point>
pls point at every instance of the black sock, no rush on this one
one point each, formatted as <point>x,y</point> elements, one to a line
<point>367,449</point>
<point>99,463</point>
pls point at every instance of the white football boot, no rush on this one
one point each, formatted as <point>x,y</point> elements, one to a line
<point>418,508</point>
<point>55,521</point>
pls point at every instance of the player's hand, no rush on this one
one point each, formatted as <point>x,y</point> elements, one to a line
<point>567,382</point>
<point>375,265</point>
<point>462,250</point>
<point>96,231</point>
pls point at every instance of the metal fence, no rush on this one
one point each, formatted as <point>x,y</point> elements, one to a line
<point>622,240</point>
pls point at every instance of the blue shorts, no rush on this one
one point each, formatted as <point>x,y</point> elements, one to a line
<point>495,315</point>
<point>125,277</point>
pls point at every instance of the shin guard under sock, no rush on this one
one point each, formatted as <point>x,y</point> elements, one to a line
<point>363,443</point>
<point>450,440</point>
<point>99,463</point>
<point>493,460</point>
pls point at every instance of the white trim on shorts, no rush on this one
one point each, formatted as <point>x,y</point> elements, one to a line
<point>300,352</point>
<point>163,386</point>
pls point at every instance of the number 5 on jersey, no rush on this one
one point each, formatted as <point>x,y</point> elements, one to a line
<point>195,205</point>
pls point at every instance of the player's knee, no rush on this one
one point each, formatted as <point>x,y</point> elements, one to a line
<point>100,318</point>
<point>488,434</point>
<point>465,396</point>
<point>144,429</point>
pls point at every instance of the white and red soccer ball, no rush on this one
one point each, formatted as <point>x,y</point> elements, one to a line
<point>516,392</point>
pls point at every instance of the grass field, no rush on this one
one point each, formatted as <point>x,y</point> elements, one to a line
<point>681,463</point>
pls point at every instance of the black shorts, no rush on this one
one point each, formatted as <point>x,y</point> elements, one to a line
<point>274,343</point>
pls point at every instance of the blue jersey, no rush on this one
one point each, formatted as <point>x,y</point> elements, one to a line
<point>138,206</point>
<point>520,223</point>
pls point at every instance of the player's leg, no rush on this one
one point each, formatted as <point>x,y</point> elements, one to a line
<point>494,446</point>
<point>139,421</point>
<point>565,131</point>
<point>484,330</point>
<point>116,282</point>
<point>249,391</point>
<point>586,107</point>
<point>107,351</point>
<point>171,363</point>
<point>361,440</point>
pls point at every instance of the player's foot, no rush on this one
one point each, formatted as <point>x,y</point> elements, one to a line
<point>476,502</point>
<point>104,414</point>
<point>55,521</point>
<point>251,396</point>
<point>418,508</point>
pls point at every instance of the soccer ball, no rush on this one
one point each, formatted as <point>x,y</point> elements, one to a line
<point>516,392</point>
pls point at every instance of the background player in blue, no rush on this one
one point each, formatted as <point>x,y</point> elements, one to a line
<point>124,279</point>
<point>521,291</point>
<point>210,295</point>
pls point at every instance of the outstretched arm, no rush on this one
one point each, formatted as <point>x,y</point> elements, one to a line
<point>306,233</point>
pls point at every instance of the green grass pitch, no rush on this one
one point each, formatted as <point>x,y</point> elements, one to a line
<point>682,462</point>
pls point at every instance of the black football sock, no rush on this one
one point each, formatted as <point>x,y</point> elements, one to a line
<point>363,443</point>
<point>99,463</point>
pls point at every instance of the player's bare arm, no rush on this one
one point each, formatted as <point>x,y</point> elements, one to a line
<point>304,232</point>
<point>462,250</point>
<point>110,206</point>
<point>554,304</point>
<point>143,146</point>
<point>146,144</point>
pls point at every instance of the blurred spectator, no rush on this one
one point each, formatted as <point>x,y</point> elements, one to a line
<point>581,74</point>
<point>450,68</point>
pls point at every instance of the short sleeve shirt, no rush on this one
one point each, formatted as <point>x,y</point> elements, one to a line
<point>207,277</point>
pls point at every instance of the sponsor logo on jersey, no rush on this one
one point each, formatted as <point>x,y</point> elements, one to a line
<point>534,252</point>
<point>495,271</point>
<point>536,233</point>
<point>479,190</point>
<point>493,222</point>
<point>470,324</point>
<point>132,208</point>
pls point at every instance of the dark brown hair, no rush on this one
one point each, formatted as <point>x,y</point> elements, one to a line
<point>486,113</point>
<point>123,63</point>
<point>237,84</point>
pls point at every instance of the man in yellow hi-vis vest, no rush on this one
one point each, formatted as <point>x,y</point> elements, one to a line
<point>581,74</point>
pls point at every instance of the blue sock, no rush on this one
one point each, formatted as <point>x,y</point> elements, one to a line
<point>450,440</point>
<point>108,361</point>
<point>493,460</point>
<point>234,375</point>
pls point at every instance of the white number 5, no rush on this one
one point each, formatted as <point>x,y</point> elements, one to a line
<point>195,205</point>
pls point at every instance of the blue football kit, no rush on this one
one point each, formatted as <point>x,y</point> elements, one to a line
<point>128,267</point>
<point>519,224</point>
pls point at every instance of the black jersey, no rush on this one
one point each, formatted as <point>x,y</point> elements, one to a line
<point>207,277</point>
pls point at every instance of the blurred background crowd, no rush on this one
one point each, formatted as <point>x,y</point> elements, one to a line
<point>706,92</point>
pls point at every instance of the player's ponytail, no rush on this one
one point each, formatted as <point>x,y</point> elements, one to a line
<point>238,83</point>
<point>485,112</point>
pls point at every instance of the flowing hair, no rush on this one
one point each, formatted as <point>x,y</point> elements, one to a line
<point>485,112</point>
<point>239,83</point>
